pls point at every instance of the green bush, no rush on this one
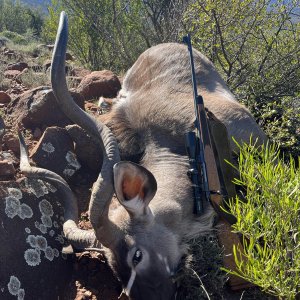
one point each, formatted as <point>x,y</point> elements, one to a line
<point>268,219</point>
<point>14,37</point>
<point>112,34</point>
<point>17,17</point>
<point>255,45</point>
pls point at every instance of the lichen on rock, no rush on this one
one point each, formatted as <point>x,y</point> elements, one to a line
<point>37,187</point>
<point>16,193</point>
<point>46,208</point>
<point>13,207</point>
<point>48,147</point>
<point>14,285</point>
<point>46,220</point>
<point>49,253</point>
<point>32,257</point>
<point>72,160</point>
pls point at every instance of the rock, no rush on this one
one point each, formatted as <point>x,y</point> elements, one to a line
<point>11,142</point>
<point>4,97</point>
<point>105,104</point>
<point>8,161</point>
<point>91,107</point>
<point>20,66</point>
<point>2,131</point>
<point>79,72</point>
<point>31,241</point>
<point>37,68</point>
<point>42,46</point>
<point>50,47</point>
<point>15,90</point>
<point>26,70</point>
<point>11,54</point>
<point>7,169</point>
<point>47,65</point>
<point>37,133</point>
<point>87,150</point>
<point>10,156</point>
<point>3,41</point>
<point>38,108</point>
<point>11,73</point>
<point>55,152</point>
<point>69,56</point>
<point>99,83</point>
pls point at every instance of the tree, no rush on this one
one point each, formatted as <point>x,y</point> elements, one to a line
<point>111,34</point>
<point>16,17</point>
<point>255,44</point>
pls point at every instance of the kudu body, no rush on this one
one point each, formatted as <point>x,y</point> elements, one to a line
<point>145,235</point>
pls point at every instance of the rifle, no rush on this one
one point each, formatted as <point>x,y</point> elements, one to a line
<point>195,142</point>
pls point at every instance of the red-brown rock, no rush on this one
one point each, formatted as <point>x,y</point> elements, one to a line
<point>99,83</point>
<point>38,108</point>
<point>11,142</point>
<point>11,74</point>
<point>4,97</point>
<point>88,152</point>
<point>7,168</point>
<point>79,72</point>
<point>19,66</point>
<point>55,152</point>
<point>91,107</point>
<point>10,53</point>
<point>47,65</point>
<point>16,89</point>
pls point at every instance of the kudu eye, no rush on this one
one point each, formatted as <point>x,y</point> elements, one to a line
<point>138,256</point>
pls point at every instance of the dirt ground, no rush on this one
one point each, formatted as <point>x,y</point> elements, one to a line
<point>92,279</point>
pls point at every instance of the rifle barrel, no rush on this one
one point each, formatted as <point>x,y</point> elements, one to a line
<point>200,180</point>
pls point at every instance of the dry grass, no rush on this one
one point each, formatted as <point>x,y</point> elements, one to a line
<point>201,278</point>
<point>4,82</point>
<point>32,79</point>
<point>32,49</point>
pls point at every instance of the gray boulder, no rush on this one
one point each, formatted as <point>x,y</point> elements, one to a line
<point>31,239</point>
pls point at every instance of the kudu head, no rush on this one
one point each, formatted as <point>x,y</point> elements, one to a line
<point>143,253</point>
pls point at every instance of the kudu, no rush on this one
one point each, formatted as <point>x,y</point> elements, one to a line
<point>145,236</point>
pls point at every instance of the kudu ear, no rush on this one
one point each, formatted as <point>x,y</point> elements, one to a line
<point>135,186</point>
